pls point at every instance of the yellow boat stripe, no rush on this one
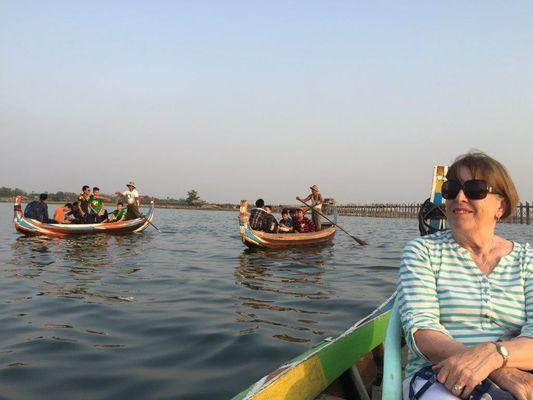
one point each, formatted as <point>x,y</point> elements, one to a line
<point>305,381</point>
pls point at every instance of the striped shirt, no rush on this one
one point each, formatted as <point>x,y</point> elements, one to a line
<point>441,288</point>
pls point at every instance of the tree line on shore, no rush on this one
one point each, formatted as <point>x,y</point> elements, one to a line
<point>192,200</point>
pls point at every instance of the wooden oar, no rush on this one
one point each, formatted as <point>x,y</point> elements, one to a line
<point>150,222</point>
<point>136,210</point>
<point>360,241</point>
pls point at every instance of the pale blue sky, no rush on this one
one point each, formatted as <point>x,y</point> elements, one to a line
<point>247,99</point>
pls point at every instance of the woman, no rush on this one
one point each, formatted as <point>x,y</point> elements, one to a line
<point>466,295</point>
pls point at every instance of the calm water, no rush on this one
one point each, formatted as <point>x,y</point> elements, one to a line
<point>187,313</point>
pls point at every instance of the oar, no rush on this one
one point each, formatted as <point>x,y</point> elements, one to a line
<point>360,241</point>
<point>144,218</point>
<point>147,220</point>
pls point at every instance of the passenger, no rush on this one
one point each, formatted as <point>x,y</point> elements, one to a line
<point>466,295</point>
<point>38,209</point>
<point>133,200</point>
<point>258,215</point>
<point>270,223</point>
<point>118,215</point>
<point>97,211</point>
<point>302,224</point>
<point>285,223</point>
<point>74,215</point>
<point>316,206</point>
<point>60,214</point>
<point>293,215</point>
<point>83,204</point>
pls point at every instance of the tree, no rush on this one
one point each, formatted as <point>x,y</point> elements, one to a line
<point>192,197</point>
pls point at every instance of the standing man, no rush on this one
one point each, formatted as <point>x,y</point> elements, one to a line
<point>38,209</point>
<point>83,204</point>
<point>316,206</point>
<point>133,200</point>
<point>97,212</point>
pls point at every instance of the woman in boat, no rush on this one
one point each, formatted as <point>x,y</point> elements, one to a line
<point>466,295</point>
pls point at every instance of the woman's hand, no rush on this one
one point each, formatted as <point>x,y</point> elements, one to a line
<point>518,383</point>
<point>462,372</point>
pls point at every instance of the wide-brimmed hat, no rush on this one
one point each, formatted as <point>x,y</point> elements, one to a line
<point>314,187</point>
<point>131,184</point>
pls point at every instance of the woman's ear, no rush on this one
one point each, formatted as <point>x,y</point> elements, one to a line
<point>501,209</point>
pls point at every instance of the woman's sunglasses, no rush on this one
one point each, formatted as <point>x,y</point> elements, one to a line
<point>474,189</point>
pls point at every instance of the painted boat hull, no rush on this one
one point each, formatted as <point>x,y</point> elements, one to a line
<point>318,371</point>
<point>30,226</point>
<point>258,239</point>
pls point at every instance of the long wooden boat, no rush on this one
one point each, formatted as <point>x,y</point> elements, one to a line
<point>30,226</point>
<point>258,239</point>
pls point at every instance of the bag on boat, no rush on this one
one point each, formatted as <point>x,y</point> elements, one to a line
<point>426,378</point>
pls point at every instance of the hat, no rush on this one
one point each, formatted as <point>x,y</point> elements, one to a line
<point>314,187</point>
<point>131,184</point>
<point>302,209</point>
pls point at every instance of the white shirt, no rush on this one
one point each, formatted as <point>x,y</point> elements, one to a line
<point>131,195</point>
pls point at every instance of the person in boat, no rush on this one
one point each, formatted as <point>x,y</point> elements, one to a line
<point>258,215</point>
<point>293,215</point>
<point>83,204</point>
<point>133,201</point>
<point>302,224</point>
<point>316,206</point>
<point>74,215</point>
<point>97,211</point>
<point>285,223</point>
<point>61,214</point>
<point>270,224</point>
<point>118,215</point>
<point>466,295</point>
<point>38,209</point>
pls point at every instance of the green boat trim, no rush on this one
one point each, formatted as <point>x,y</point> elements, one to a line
<point>310,374</point>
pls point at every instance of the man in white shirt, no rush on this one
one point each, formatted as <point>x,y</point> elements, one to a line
<point>133,199</point>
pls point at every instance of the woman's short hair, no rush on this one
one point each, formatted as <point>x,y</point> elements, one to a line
<point>482,166</point>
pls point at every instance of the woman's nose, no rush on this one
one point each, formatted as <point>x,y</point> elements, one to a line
<point>461,196</point>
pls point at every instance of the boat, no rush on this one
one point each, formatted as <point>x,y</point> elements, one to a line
<point>257,239</point>
<point>365,362</point>
<point>347,367</point>
<point>29,226</point>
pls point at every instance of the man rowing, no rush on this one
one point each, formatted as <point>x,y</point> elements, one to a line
<point>316,205</point>
<point>133,201</point>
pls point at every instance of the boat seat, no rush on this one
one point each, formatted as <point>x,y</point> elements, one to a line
<point>392,368</point>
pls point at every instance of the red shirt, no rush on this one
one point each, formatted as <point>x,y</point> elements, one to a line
<point>304,225</point>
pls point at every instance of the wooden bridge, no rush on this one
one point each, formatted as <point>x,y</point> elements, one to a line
<point>523,213</point>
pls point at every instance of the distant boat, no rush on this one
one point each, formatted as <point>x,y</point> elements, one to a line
<point>29,226</point>
<point>260,239</point>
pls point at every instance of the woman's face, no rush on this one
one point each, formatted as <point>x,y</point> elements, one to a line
<point>468,215</point>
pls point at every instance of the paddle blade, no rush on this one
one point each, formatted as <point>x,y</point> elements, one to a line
<point>360,241</point>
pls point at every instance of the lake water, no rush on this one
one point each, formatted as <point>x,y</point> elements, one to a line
<point>187,313</point>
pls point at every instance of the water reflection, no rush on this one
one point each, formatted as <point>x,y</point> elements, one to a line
<point>286,287</point>
<point>78,267</point>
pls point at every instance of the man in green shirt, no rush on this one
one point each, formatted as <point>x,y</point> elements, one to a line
<point>118,215</point>
<point>97,212</point>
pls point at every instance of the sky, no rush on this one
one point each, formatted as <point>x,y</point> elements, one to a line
<point>247,99</point>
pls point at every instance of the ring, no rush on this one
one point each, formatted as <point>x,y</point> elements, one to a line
<point>456,388</point>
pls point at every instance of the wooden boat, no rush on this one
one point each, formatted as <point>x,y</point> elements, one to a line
<point>363,363</point>
<point>259,239</point>
<point>30,226</point>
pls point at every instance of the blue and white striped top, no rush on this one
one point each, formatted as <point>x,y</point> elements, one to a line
<point>441,288</point>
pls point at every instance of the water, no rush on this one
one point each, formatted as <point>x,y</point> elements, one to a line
<point>187,313</point>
